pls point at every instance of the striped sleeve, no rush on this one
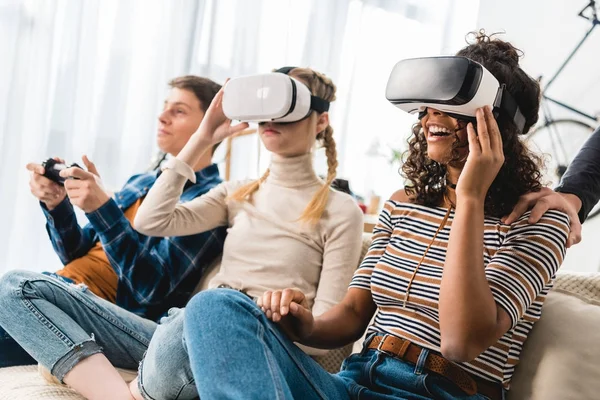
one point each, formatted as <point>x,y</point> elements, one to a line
<point>527,261</point>
<point>381,237</point>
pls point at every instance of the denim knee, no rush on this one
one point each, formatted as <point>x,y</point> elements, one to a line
<point>13,282</point>
<point>214,303</point>
<point>165,371</point>
<point>17,289</point>
<point>10,283</point>
<point>12,294</point>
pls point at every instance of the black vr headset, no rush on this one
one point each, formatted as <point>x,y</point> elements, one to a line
<point>454,85</point>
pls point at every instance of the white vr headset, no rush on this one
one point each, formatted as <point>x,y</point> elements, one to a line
<point>455,85</point>
<point>273,97</point>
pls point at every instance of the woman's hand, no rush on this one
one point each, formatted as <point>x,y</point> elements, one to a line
<point>215,126</point>
<point>485,158</point>
<point>289,309</point>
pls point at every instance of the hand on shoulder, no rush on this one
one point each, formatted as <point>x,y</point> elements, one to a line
<point>547,199</point>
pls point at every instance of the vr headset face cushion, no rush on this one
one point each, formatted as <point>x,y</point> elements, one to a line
<point>266,97</point>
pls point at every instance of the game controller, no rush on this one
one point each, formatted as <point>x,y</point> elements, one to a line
<point>52,170</point>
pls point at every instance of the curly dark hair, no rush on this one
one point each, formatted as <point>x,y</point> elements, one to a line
<point>520,172</point>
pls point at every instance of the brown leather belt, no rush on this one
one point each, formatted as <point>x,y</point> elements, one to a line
<point>407,351</point>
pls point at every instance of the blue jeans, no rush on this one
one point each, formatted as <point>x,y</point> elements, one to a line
<point>60,324</point>
<point>236,352</point>
<point>165,372</point>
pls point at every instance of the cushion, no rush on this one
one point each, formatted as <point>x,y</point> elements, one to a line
<point>29,382</point>
<point>561,357</point>
<point>587,285</point>
<point>21,383</point>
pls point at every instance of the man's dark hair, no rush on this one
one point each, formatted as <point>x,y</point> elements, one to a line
<point>203,88</point>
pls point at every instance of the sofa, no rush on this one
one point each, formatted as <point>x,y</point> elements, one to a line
<point>560,360</point>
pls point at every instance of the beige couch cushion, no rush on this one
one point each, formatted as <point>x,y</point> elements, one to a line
<point>561,357</point>
<point>29,383</point>
<point>20,383</point>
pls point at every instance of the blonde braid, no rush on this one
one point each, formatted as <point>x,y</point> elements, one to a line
<point>314,210</point>
<point>245,192</point>
<point>320,85</point>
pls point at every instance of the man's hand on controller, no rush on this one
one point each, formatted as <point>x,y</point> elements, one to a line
<point>48,192</point>
<point>86,190</point>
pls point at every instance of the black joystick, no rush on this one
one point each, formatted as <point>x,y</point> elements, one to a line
<point>52,170</point>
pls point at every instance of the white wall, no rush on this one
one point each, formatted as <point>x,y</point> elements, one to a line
<point>547,31</point>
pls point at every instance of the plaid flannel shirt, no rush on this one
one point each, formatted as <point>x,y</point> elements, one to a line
<point>154,273</point>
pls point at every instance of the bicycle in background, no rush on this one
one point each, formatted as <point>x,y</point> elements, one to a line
<point>561,138</point>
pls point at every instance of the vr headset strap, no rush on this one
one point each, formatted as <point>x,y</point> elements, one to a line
<point>316,103</point>
<point>285,70</point>
<point>507,104</point>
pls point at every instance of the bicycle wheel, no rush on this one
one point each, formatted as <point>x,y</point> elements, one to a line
<point>558,141</point>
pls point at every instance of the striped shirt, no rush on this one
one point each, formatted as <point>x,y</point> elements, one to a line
<point>520,263</point>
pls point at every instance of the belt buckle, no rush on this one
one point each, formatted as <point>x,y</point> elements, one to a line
<point>381,344</point>
<point>400,353</point>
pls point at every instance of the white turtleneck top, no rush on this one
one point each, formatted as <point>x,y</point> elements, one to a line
<point>266,247</point>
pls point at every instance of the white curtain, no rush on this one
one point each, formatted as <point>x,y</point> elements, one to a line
<point>89,77</point>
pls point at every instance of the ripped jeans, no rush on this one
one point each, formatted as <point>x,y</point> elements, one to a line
<point>60,324</point>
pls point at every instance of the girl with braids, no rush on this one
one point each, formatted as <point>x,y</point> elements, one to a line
<point>454,290</point>
<point>286,229</point>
